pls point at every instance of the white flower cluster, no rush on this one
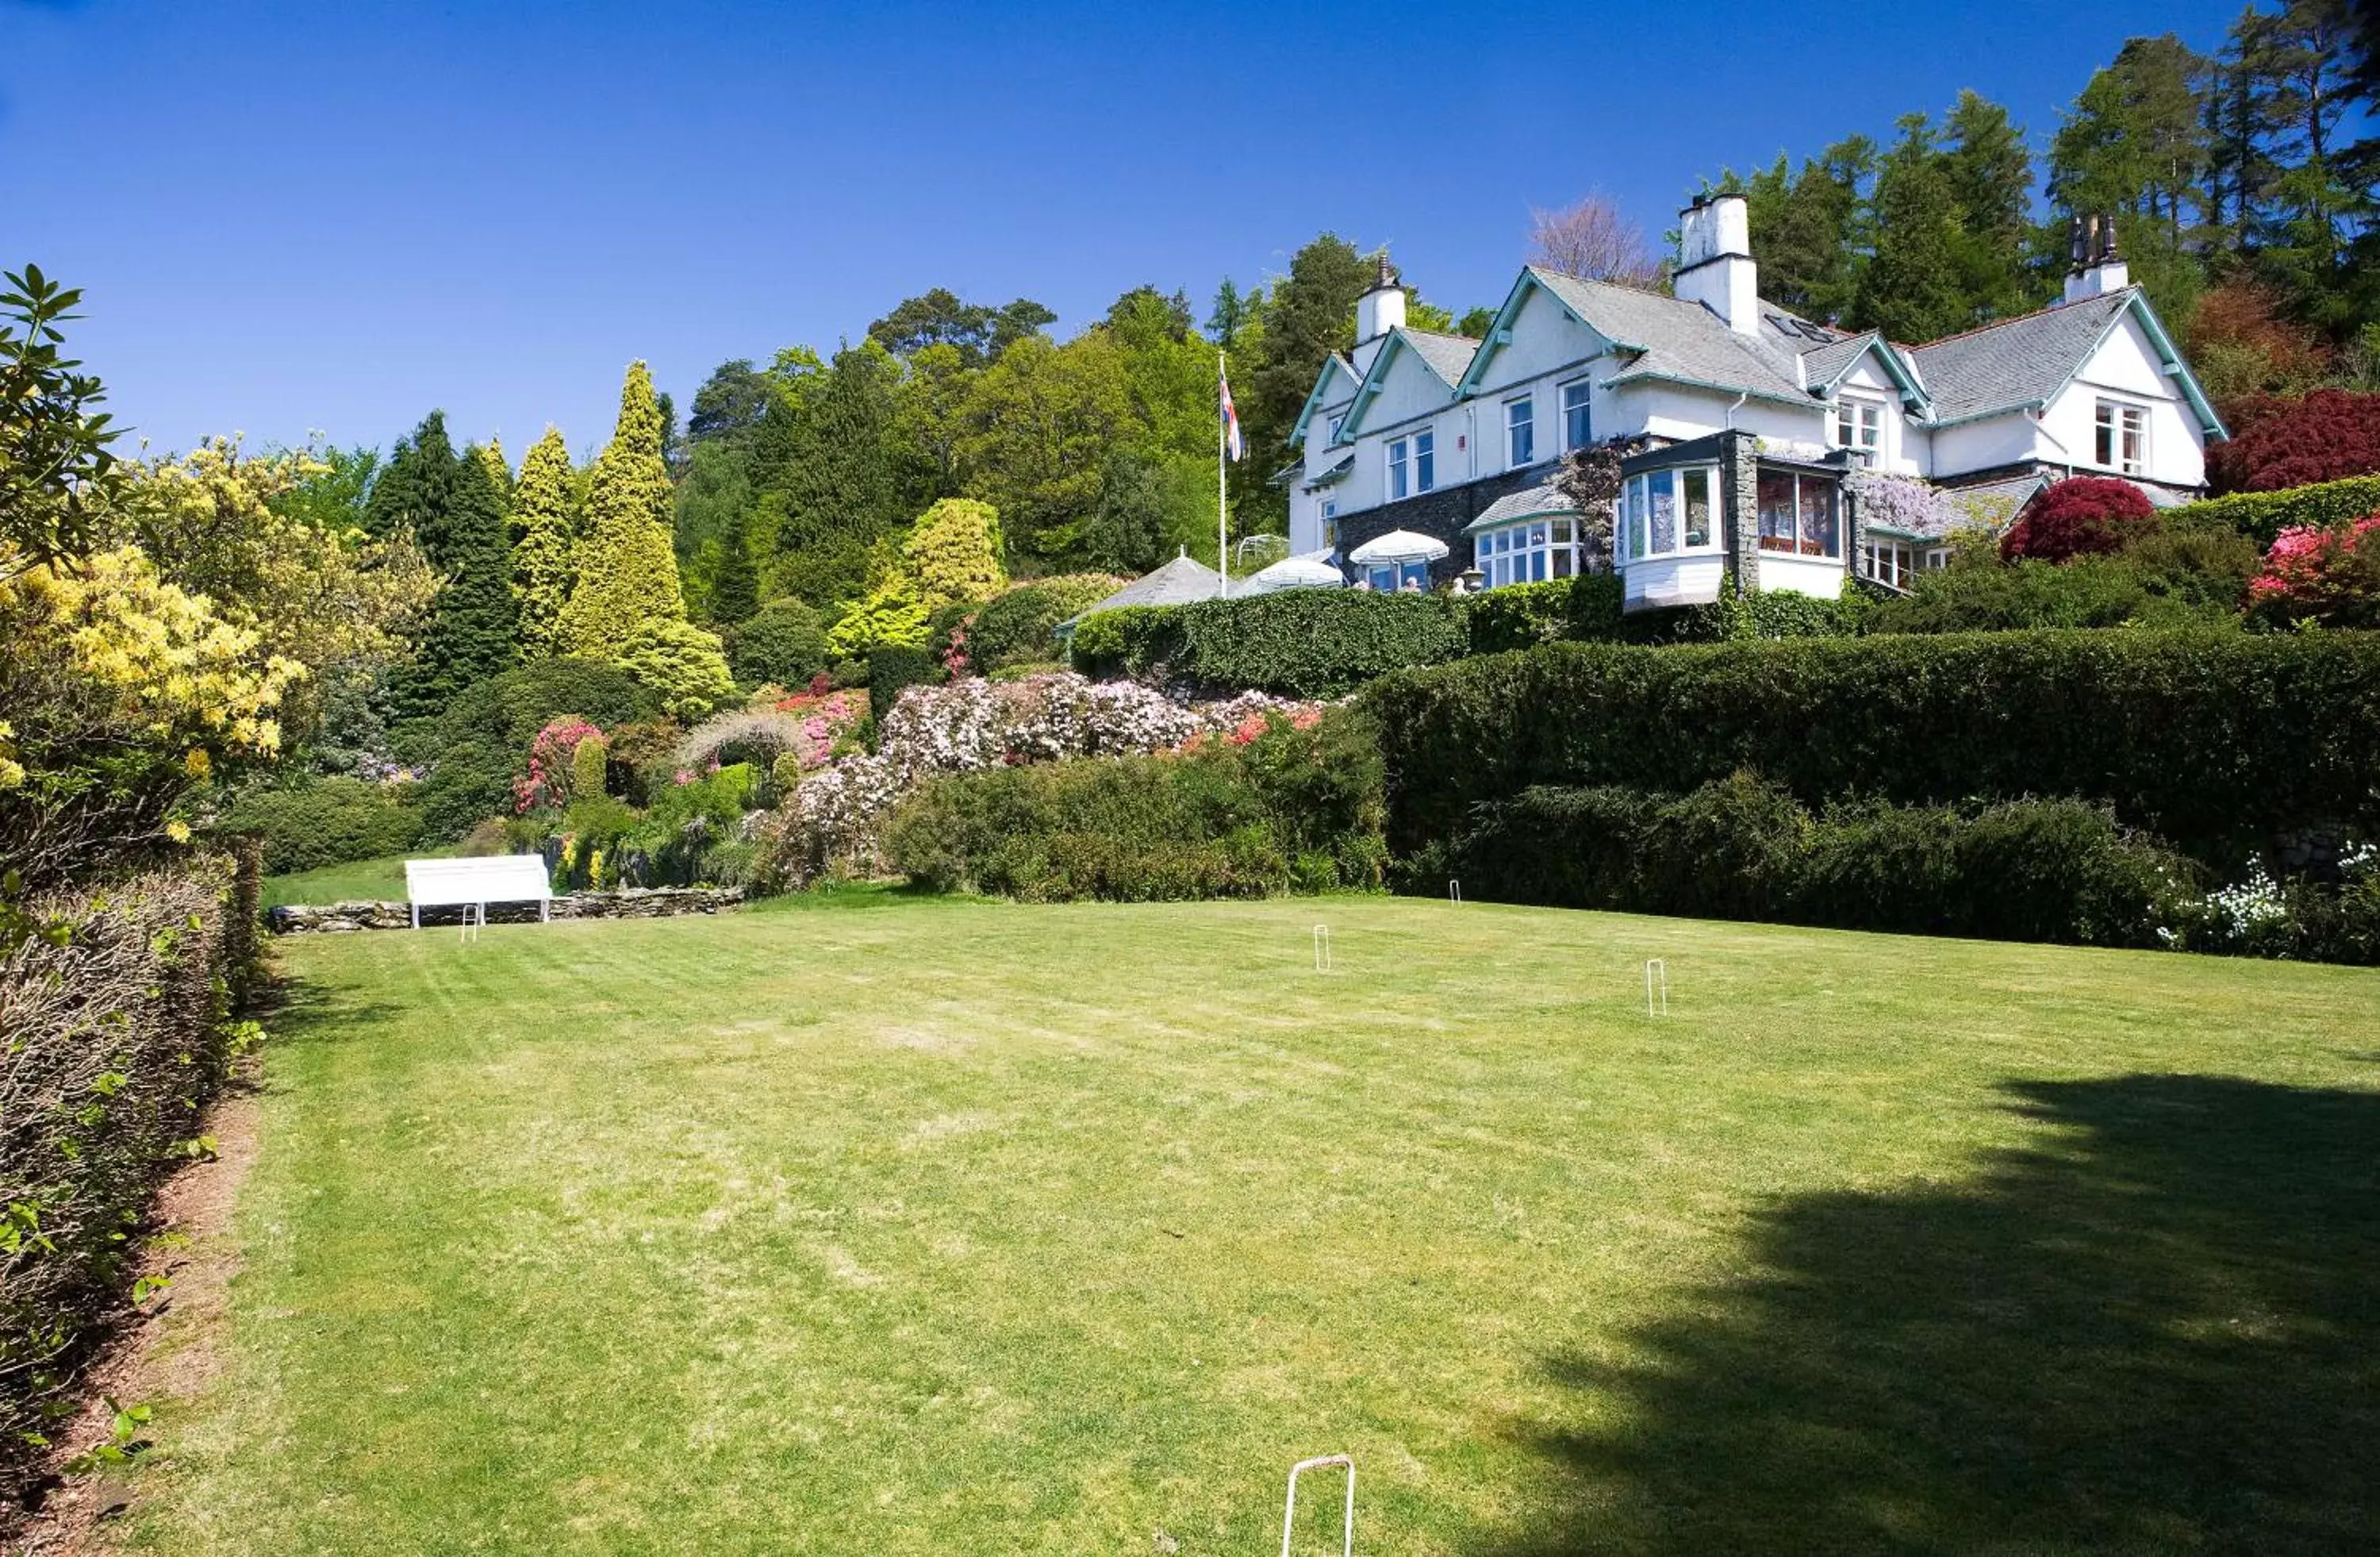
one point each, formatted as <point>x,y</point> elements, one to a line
<point>2233,919</point>
<point>834,819</point>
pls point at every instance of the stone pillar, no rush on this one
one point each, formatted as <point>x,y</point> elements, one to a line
<point>1738,484</point>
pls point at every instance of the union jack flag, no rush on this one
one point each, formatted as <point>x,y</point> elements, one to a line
<point>1232,445</point>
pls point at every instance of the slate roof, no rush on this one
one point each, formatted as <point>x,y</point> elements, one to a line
<point>1679,339</point>
<point>1824,364</point>
<point>1546,497</point>
<point>1448,356</point>
<point>1179,582</point>
<point>2016,362</point>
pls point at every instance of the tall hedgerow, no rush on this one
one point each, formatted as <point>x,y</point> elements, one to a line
<point>545,513</point>
<point>628,566</point>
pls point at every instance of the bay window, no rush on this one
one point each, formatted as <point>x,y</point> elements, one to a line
<point>1664,513</point>
<point>1530,551</point>
<point>2123,437</point>
<point>1797,515</point>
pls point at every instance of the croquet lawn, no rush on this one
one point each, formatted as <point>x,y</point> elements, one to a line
<point>943,1226</point>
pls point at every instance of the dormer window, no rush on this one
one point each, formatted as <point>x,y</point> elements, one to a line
<point>1336,423</point>
<point>2123,437</point>
<point>1859,424</point>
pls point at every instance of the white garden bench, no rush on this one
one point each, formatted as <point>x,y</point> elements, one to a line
<point>475,883</point>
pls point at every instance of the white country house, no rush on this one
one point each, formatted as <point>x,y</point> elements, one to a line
<point>1752,418</point>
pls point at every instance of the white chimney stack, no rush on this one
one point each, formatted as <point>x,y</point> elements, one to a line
<point>1382,309</point>
<point>1715,266</point>
<point>2094,271</point>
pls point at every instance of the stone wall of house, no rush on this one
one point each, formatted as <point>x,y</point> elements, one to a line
<point>1442,513</point>
<point>633,903</point>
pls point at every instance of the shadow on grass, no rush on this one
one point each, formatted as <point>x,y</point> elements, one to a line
<point>299,1012</point>
<point>2157,1331</point>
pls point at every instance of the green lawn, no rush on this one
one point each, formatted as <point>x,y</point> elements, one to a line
<point>956,1227</point>
<point>381,880</point>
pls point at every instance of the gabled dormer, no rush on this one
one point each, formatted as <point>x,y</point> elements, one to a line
<point>1333,388</point>
<point>1412,374</point>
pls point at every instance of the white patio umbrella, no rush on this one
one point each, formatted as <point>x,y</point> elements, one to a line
<point>1296,573</point>
<point>1398,546</point>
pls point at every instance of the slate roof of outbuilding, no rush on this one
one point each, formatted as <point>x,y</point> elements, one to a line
<point>2020,361</point>
<point>1179,582</point>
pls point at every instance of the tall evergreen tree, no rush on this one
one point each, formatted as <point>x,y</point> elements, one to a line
<point>545,516</point>
<point>500,469</point>
<point>628,568</point>
<point>735,582</point>
<point>1310,314</point>
<point>2135,147</point>
<point>472,631</point>
<point>1912,288</point>
<point>415,490</point>
<point>1810,229</point>
<point>834,476</point>
<point>1990,175</point>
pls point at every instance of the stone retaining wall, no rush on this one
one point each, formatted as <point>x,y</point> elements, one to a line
<point>634,903</point>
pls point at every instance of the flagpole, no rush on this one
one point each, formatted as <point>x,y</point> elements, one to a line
<point>1223,490</point>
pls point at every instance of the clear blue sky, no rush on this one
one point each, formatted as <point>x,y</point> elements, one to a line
<point>337,215</point>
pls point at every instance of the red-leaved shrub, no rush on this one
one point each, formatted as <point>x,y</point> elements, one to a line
<point>2078,516</point>
<point>2326,576</point>
<point>2278,443</point>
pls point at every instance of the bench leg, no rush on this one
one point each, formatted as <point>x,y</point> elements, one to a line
<point>416,916</point>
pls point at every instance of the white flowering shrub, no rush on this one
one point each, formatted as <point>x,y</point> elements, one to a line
<point>831,823</point>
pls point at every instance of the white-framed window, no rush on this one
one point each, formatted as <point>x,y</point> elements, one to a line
<point>1402,578</point>
<point>1528,551</point>
<point>1934,557</point>
<point>1888,562</point>
<point>1669,513</point>
<point>1425,460</point>
<point>1400,469</point>
<point>1798,515</point>
<point>1578,421</point>
<point>1337,422</point>
<point>1858,424</point>
<point>1520,433</point>
<point>2123,437</point>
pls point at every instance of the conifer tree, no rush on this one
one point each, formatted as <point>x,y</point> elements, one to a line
<point>500,469</point>
<point>470,636</point>
<point>545,516</point>
<point>736,585</point>
<point>627,566</point>
<point>1911,289</point>
<point>414,492</point>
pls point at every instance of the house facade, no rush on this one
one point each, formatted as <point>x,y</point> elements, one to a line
<point>1749,420</point>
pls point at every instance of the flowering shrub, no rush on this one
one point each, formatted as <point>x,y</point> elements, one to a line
<point>551,781</point>
<point>833,821</point>
<point>2080,515</point>
<point>2296,917</point>
<point>2330,577</point>
<point>1901,503</point>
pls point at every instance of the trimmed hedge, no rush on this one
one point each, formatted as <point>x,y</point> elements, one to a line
<point>1301,643</point>
<point>1586,608</point>
<point>1740,848</point>
<point>116,1036</point>
<point>330,823</point>
<point>1290,810</point>
<point>2213,740</point>
<point>2264,515</point>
